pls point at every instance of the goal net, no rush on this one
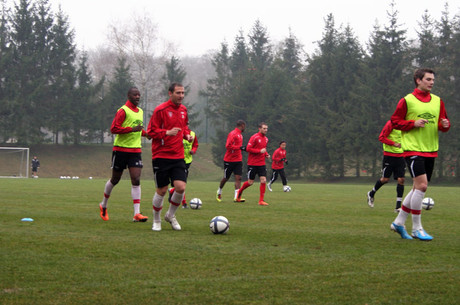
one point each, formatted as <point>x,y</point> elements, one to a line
<point>14,162</point>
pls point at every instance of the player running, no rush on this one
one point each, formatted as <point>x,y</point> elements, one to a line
<point>233,159</point>
<point>257,149</point>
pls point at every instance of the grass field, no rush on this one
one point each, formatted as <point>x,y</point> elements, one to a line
<point>319,244</point>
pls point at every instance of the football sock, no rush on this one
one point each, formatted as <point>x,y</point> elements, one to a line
<point>184,201</point>
<point>236,193</point>
<point>136,195</point>
<point>405,210</point>
<point>157,203</point>
<point>245,186</point>
<point>399,195</point>
<point>107,191</point>
<point>377,185</point>
<point>176,199</point>
<point>416,207</point>
<point>219,191</point>
<point>262,191</point>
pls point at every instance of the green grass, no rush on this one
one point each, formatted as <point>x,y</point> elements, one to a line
<point>319,244</point>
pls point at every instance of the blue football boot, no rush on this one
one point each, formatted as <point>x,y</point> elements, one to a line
<point>421,234</point>
<point>401,230</point>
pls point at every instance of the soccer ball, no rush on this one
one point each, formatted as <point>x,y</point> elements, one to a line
<point>427,203</point>
<point>195,203</point>
<point>219,225</point>
<point>287,188</point>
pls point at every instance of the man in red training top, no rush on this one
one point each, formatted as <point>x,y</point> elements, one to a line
<point>278,161</point>
<point>168,127</point>
<point>257,149</point>
<point>420,115</point>
<point>126,153</point>
<point>233,159</point>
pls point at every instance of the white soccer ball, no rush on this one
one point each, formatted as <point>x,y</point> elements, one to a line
<point>427,203</point>
<point>219,225</point>
<point>287,188</point>
<point>196,203</point>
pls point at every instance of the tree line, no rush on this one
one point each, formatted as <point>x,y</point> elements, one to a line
<point>329,105</point>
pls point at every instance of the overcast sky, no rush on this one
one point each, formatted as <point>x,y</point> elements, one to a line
<point>197,26</point>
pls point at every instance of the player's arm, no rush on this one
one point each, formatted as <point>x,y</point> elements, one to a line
<point>386,130</point>
<point>116,127</point>
<point>250,147</point>
<point>398,119</point>
<point>153,129</point>
<point>194,145</point>
<point>443,123</point>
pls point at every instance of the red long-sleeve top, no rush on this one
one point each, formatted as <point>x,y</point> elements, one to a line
<point>278,154</point>
<point>233,145</point>
<point>166,116</point>
<point>383,137</point>
<point>116,127</point>
<point>398,119</point>
<point>255,144</point>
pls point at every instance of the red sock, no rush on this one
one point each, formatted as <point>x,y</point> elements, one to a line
<point>245,186</point>
<point>262,191</point>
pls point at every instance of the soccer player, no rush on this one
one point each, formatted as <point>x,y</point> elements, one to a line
<point>278,161</point>
<point>419,115</point>
<point>233,159</point>
<point>168,127</point>
<point>257,149</point>
<point>393,164</point>
<point>35,166</point>
<point>190,149</point>
<point>126,153</point>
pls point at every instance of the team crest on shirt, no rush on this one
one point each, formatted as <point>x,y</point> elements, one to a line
<point>183,114</point>
<point>170,114</point>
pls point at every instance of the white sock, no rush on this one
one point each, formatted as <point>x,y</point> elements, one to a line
<point>402,216</point>
<point>136,195</point>
<point>176,200</point>
<point>416,206</point>
<point>107,191</point>
<point>219,191</point>
<point>157,203</point>
<point>236,193</point>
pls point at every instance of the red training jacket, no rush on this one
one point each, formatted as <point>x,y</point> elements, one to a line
<point>278,154</point>
<point>165,117</point>
<point>234,142</point>
<point>255,144</point>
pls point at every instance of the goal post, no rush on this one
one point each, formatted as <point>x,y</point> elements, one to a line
<point>14,162</point>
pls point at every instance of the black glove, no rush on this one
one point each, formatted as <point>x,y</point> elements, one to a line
<point>243,148</point>
<point>284,159</point>
<point>286,162</point>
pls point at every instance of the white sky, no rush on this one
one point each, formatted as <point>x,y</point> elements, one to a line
<point>197,26</point>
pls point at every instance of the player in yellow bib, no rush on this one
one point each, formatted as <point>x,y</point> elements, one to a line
<point>420,115</point>
<point>127,148</point>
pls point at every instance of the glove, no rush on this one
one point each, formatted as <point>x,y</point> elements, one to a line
<point>286,162</point>
<point>243,148</point>
<point>284,159</point>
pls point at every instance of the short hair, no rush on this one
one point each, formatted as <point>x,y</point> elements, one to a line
<point>420,73</point>
<point>281,142</point>
<point>173,86</point>
<point>132,88</point>
<point>262,124</point>
<point>240,123</point>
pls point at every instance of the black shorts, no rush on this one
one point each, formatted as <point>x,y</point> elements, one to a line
<point>420,165</point>
<point>395,166</point>
<point>165,171</point>
<point>233,167</point>
<point>121,160</point>
<point>256,170</point>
